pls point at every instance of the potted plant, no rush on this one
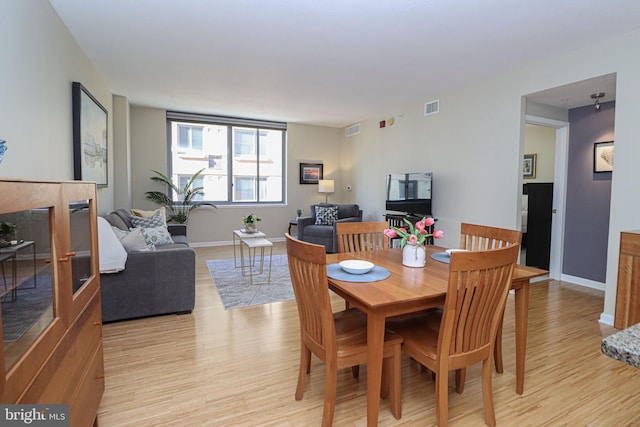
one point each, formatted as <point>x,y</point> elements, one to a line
<point>178,210</point>
<point>7,232</point>
<point>249,222</point>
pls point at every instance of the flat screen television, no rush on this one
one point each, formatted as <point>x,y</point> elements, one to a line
<point>409,193</point>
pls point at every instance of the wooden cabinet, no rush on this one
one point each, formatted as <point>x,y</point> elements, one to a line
<point>51,343</point>
<point>628,290</point>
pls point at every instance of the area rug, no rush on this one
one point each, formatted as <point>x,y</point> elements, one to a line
<point>19,315</point>
<point>236,290</point>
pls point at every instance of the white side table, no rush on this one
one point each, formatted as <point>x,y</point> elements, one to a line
<point>257,243</point>
<point>241,235</point>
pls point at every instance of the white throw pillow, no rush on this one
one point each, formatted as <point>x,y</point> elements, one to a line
<point>157,236</point>
<point>112,255</point>
<point>133,240</point>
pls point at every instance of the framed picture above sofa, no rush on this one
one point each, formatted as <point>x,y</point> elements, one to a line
<point>89,137</point>
<point>310,173</point>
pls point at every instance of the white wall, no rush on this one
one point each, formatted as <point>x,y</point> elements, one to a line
<point>541,141</point>
<point>40,60</point>
<point>475,145</point>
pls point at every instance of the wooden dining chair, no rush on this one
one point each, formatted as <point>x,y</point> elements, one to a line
<point>464,333</point>
<point>362,236</point>
<point>476,237</point>
<point>338,339</point>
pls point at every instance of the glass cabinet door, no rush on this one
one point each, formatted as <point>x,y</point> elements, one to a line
<point>26,282</point>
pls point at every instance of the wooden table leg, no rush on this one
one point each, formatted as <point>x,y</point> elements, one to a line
<point>522,320</point>
<point>375,344</point>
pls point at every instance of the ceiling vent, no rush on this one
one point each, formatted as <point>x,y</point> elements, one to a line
<point>352,130</point>
<point>432,107</point>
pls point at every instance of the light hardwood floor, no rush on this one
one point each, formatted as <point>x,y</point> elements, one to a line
<point>239,368</point>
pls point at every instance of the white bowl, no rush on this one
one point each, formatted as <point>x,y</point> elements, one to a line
<point>450,251</point>
<point>356,266</point>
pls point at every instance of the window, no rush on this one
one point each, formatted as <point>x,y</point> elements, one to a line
<point>243,160</point>
<point>189,138</point>
<point>184,179</point>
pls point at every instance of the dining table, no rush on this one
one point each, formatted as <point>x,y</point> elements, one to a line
<point>409,290</point>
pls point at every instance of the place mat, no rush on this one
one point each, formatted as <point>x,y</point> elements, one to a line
<point>442,257</point>
<point>377,273</point>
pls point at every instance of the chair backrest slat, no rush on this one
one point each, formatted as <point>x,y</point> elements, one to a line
<point>362,236</point>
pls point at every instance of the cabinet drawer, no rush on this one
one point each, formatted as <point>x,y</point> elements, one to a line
<point>89,393</point>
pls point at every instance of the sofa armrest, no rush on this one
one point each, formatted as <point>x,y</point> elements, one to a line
<point>304,221</point>
<point>152,283</point>
<point>177,229</point>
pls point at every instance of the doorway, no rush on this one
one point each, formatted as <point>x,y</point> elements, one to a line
<point>558,179</point>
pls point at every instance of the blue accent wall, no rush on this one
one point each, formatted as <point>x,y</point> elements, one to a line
<point>588,194</point>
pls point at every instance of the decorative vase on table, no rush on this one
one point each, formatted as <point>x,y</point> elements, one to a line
<point>414,256</point>
<point>250,228</point>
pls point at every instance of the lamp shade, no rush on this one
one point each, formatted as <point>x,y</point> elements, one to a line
<point>325,185</point>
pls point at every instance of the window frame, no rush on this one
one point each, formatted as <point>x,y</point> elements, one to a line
<point>230,123</point>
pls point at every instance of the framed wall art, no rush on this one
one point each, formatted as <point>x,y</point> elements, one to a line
<point>529,166</point>
<point>90,120</point>
<point>603,156</point>
<point>310,173</point>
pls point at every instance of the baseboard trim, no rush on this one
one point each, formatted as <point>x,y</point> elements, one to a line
<point>606,319</point>
<point>583,282</point>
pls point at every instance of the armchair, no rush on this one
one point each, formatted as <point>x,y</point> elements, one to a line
<point>310,230</point>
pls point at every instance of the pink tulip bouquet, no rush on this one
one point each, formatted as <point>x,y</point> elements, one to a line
<point>416,234</point>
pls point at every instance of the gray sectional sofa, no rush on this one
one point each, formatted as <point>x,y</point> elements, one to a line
<point>153,282</point>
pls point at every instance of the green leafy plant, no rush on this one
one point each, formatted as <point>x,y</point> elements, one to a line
<point>250,219</point>
<point>178,210</point>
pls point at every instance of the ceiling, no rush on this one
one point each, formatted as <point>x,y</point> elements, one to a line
<point>330,62</point>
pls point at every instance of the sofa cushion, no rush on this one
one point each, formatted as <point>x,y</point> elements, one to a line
<point>348,211</point>
<point>157,236</point>
<point>116,221</point>
<point>133,240</point>
<point>326,215</point>
<point>155,220</point>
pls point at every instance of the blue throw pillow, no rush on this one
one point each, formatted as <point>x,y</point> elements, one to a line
<point>326,215</point>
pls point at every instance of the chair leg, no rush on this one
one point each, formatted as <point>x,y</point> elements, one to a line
<point>330,390</point>
<point>355,371</point>
<point>396,382</point>
<point>387,375</point>
<point>487,393</point>
<point>461,375</point>
<point>305,367</point>
<point>442,398</point>
<point>497,350</point>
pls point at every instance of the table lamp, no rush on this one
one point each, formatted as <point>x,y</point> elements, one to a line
<point>325,186</point>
